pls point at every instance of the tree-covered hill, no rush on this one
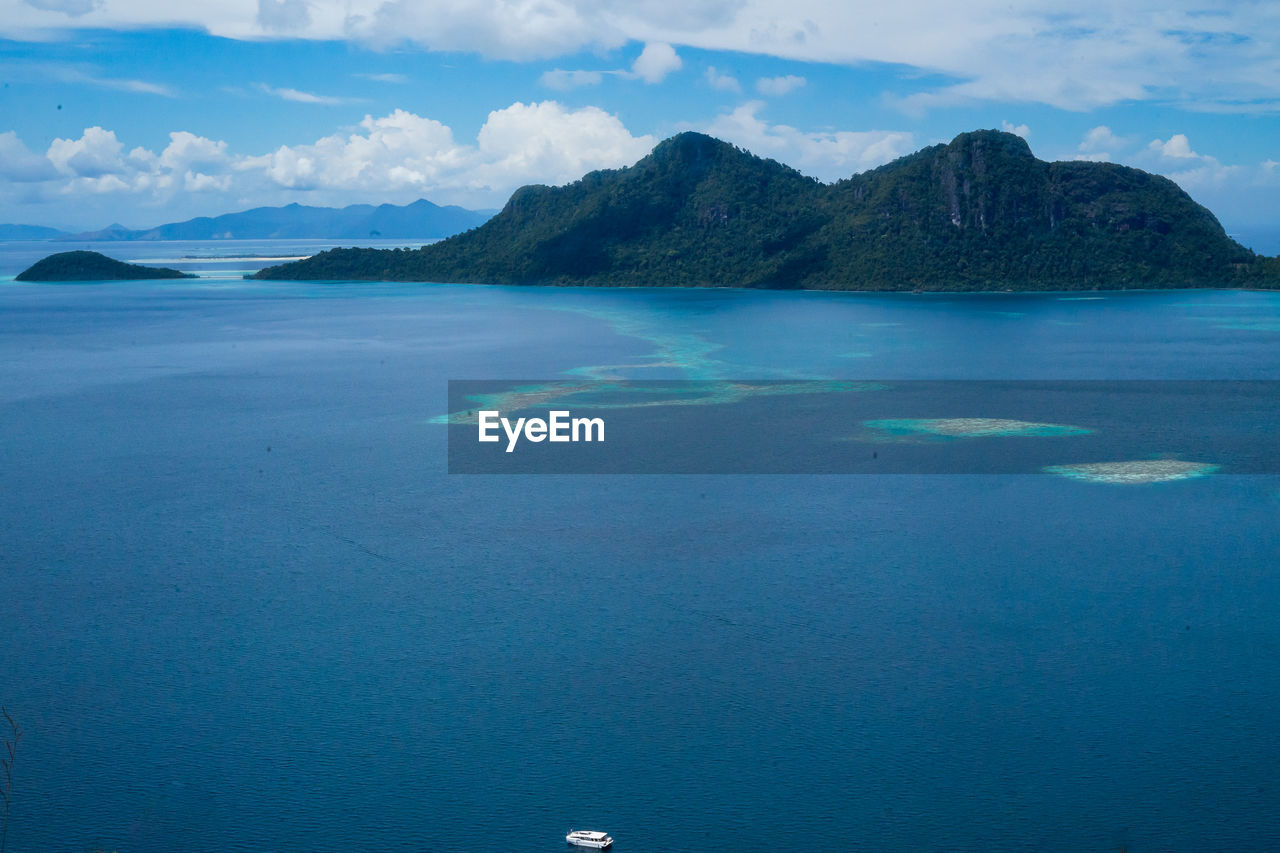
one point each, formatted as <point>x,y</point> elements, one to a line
<point>979,213</point>
<point>92,266</point>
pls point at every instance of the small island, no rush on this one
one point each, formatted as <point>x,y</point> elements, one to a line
<point>92,266</point>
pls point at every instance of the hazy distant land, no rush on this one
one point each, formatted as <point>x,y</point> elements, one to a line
<point>421,219</point>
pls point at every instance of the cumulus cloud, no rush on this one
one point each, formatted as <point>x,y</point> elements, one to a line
<point>829,155</point>
<point>406,153</point>
<point>1016,129</point>
<point>1100,138</point>
<point>96,153</point>
<point>195,182</point>
<point>1098,143</point>
<point>186,149</point>
<point>395,157</point>
<point>778,86</point>
<point>1177,147</point>
<point>19,164</point>
<point>721,81</point>
<point>553,143</point>
<point>655,62</point>
<point>558,78</point>
<point>1175,158</point>
<point>653,65</point>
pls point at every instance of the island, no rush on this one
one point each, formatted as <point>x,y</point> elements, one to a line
<point>978,213</point>
<point>92,266</point>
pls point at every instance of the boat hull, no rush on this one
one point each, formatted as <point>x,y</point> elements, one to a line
<point>598,840</point>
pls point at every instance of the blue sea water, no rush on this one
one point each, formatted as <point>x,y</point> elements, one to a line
<point>244,608</point>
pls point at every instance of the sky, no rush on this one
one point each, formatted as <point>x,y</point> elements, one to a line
<point>143,112</point>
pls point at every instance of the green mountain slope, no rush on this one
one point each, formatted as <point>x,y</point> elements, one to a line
<point>979,213</point>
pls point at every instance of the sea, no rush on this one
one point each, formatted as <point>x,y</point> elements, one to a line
<point>245,606</point>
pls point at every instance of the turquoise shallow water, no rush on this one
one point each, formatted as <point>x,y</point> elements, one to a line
<point>246,609</point>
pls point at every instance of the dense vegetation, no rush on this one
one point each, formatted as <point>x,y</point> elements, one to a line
<point>91,266</point>
<point>979,213</point>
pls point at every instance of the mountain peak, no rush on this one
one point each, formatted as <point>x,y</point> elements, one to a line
<point>690,157</point>
<point>996,141</point>
<point>690,146</point>
<point>978,213</point>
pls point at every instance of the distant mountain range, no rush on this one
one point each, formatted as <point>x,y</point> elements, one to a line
<point>295,221</point>
<point>979,213</point>
<point>29,232</point>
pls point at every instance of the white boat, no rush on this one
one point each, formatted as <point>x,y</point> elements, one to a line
<point>583,838</point>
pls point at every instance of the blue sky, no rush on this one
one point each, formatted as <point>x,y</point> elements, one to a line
<point>133,111</point>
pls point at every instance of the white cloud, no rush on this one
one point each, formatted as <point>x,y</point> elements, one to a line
<point>829,155</point>
<point>1098,144</point>
<point>403,153</point>
<point>722,82</point>
<point>653,65</point>
<point>558,78</point>
<point>384,78</point>
<point>87,75</point>
<point>1177,147</point>
<point>195,182</point>
<point>21,165</point>
<point>778,86</point>
<point>1100,138</point>
<point>655,62</point>
<point>396,149</point>
<point>186,149</point>
<point>505,29</point>
<point>142,87</point>
<point>1221,58</point>
<point>283,16</point>
<point>1176,159</point>
<point>552,144</point>
<point>1016,129</point>
<point>96,153</point>
<point>71,8</point>
<point>300,97</point>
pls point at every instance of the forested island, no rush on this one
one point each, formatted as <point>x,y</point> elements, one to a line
<point>979,213</point>
<point>92,266</point>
